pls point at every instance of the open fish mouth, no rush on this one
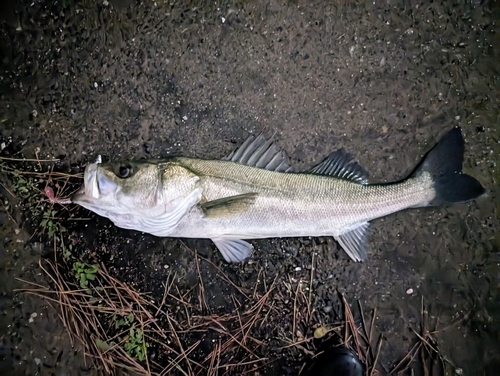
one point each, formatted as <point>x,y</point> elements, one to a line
<point>90,187</point>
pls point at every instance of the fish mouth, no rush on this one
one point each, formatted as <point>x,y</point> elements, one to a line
<point>90,186</point>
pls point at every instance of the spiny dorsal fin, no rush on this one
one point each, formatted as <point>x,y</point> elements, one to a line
<point>261,152</point>
<point>354,242</point>
<point>340,164</point>
<point>228,205</point>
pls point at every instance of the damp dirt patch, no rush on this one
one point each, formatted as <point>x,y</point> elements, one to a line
<point>122,330</point>
<point>132,80</point>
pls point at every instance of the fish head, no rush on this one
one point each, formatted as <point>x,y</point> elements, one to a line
<point>140,195</point>
<point>118,186</point>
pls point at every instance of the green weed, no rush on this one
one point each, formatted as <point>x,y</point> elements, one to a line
<point>135,345</point>
<point>26,189</point>
<point>84,273</point>
<point>123,321</point>
<point>36,209</point>
<point>50,224</point>
<point>67,251</point>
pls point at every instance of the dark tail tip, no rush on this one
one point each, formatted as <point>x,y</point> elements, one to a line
<point>444,164</point>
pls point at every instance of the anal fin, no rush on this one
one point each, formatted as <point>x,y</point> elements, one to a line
<point>234,250</point>
<point>354,242</point>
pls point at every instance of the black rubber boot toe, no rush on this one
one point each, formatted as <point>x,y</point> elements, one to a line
<point>337,361</point>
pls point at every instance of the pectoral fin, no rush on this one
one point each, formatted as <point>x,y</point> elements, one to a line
<point>234,250</point>
<point>228,205</point>
<point>354,242</point>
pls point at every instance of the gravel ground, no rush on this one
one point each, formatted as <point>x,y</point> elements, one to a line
<point>383,80</point>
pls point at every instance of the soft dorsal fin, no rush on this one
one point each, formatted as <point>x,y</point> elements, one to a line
<point>261,152</point>
<point>341,164</point>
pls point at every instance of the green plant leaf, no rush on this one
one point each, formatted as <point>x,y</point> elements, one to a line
<point>83,281</point>
<point>102,344</point>
<point>119,323</point>
<point>92,269</point>
<point>93,300</point>
<point>77,266</point>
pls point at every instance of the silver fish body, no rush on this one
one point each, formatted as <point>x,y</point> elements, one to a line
<point>252,195</point>
<point>292,205</point>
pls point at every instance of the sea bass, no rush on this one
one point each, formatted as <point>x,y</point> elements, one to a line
<point>254,194</point>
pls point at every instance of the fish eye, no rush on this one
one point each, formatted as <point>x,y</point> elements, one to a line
<point>124,171</point>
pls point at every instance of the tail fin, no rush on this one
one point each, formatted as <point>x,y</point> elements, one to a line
<point>444,164</point>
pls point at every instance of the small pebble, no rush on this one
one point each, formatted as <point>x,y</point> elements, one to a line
<point>320,332</point>
<point>409,291</point>
<point>32,317</point>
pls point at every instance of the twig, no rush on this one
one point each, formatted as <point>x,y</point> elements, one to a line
<point>29,160</point>
<point>309,299</point>
<point>379,347</point>
<point>202,287</point>
<point>221,273</point>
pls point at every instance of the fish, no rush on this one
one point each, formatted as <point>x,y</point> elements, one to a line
<point>254,193</point>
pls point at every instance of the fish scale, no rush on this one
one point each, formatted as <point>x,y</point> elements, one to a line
<point>322,206</point>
